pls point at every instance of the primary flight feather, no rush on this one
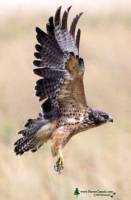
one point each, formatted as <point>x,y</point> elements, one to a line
<point>64,108</point>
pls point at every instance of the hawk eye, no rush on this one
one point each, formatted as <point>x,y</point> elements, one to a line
<point>106,117</point>
<point>91,117</point>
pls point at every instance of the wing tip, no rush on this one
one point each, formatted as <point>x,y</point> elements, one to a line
<point>81,14</point>
<point>57,16</point>
<point>78,38</point>
<point>37,29</point>
<point>74,24</point>
<point>68,9</point>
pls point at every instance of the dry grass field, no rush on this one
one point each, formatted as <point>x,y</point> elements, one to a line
<point>96,159</point>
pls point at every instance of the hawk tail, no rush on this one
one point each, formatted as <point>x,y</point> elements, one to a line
<point>29,139</point>
<point>27,143</point>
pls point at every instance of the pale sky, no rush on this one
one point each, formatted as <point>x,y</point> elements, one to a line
<point>88,5</point>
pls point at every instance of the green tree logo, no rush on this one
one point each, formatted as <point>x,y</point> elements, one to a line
<point>77,192</point>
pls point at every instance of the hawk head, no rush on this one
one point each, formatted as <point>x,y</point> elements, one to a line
<point>99,117</point>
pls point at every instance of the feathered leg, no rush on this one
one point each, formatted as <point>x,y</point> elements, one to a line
<point>59,166</point>
<point>58,142</point>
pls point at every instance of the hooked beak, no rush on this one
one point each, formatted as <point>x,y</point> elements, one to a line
<point>110,119</point>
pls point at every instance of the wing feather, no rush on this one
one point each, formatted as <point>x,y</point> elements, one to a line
<point>65,18</point>
<point>59,65</point>
<point>50,26</point>
<point>78,39</point>
<point>57,16</point>
<point>74,23</point>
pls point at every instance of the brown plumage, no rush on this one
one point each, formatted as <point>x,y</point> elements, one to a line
<point>64,108</point>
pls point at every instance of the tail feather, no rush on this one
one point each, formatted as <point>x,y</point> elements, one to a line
<point>32,126</point>
<point>29,141</point>
<point>25,144</point>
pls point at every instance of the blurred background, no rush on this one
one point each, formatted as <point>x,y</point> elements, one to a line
<point>96,159</point>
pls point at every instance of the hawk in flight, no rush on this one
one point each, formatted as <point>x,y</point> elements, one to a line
<point>61,90</point>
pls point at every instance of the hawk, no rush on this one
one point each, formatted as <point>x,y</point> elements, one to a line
<point>64,108</point>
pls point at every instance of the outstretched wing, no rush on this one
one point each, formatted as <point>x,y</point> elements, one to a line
<point>59,65</point>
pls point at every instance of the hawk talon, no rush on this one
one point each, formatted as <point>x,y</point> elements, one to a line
<point>59,165</point>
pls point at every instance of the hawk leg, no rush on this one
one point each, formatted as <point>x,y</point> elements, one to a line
<point>59,166</point>
<point>59,139</point>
